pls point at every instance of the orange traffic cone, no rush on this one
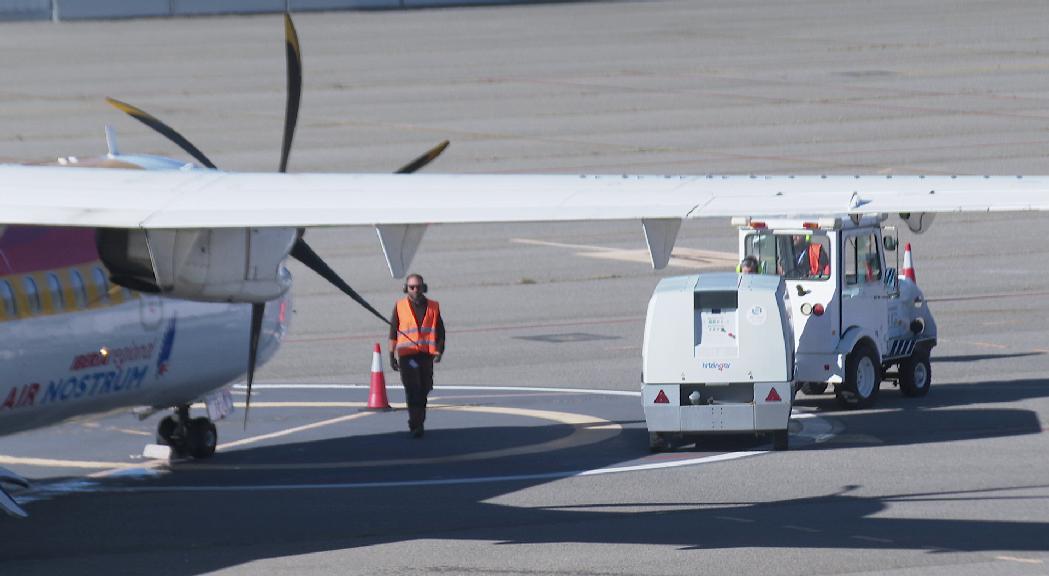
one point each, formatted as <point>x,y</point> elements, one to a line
<point>377,396</point>
<point>908,268</point>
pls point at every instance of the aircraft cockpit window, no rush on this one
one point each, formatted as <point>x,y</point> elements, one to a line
<point>8,295</point>
<point>32,294</point>
<point>794,256</point>
<point>58,300</point>
<point>101,284</point>
<point>79,290</point>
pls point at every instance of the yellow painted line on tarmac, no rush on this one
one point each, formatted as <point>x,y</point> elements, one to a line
<point>257,404</point>
<point>478,396</point>
<point>586,430</point>
<point>132,432</point>
<point>110,468</point>
<point>56,463</point>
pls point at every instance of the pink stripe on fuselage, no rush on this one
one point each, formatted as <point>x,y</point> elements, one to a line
<point>25,249</point>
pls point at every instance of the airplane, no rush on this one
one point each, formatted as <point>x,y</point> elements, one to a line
<point>120,276</point>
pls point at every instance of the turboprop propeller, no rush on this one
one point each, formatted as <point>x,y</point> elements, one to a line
<point>301,251</point>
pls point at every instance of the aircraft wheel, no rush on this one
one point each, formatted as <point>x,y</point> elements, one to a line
<point>916,374</point>
<point>781,440</point>
<point>166,430</point>
<point>862,378</point>
<point>814,388</point>
<point>201,438</point>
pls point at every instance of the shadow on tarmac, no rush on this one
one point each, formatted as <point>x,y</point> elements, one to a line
<point>234,511</point>
<point>979,357</point>
<point>942,395</point>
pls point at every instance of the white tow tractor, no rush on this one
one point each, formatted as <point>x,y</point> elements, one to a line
<point>718,357</point>
<point>856,323</point>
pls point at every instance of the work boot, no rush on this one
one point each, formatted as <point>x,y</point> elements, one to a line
<point>417,432</point>
<point>416,417</point>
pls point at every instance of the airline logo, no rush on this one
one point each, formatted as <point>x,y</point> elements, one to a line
<point>165,349</point>
<point>97,373</point>
<point>719,366</point>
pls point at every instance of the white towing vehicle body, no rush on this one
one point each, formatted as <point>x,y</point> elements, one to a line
<point>718,357</point>
<point>854,319</point>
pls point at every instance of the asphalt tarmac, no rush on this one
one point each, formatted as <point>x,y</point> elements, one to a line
<point>526,481</point>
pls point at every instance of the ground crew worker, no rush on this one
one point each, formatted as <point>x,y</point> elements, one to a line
<point>749,265</point>
<point>416,342</point>
<point>812,260</point>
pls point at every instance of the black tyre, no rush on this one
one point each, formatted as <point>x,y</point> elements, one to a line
<point>165,430</point>
<point>780,440</point>
<point>814,388</point>
<point>862,378</point>
<point>916,374</point>
<point>201,438</point>
<point>657,442</point>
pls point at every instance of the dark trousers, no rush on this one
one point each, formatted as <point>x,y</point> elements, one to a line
<point>417,378</point>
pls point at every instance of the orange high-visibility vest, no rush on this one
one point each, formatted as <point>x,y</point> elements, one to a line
<point>414,337</point>
<point>814,261</point>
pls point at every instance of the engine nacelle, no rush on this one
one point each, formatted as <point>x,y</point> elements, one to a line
<point>211,265</point>
<point>918,222</point>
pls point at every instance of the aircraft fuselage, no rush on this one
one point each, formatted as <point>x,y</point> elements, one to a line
<point>71,344</point>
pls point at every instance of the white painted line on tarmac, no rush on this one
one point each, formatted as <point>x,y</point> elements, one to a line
<point>872,539</point>
<point>97,488</point>
<point>802,528</point>
<point>289,386</point>
<point>735,519</point>
<point>1020,560</point>
<point>680,256</point>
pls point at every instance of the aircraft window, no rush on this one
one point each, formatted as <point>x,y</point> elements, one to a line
<point>795,256</point>
<point>101,284</point>
<point>58,299</point>
<point>10,307</point>
<point>32,295</point>
<point>79,290</point>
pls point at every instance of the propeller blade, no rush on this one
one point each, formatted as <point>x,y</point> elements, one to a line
<point>291,112</point>
<point>165,130</point>
<point>423,160</point>
<point>257,311</point>
<point>302,252</point>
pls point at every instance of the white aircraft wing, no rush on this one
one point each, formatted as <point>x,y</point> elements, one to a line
<point>62,196</point>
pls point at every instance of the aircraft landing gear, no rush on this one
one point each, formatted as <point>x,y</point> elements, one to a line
<point>194,437</point>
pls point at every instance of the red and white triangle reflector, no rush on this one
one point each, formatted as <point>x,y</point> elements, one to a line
<point>661,398</point>
<point>773,396</point>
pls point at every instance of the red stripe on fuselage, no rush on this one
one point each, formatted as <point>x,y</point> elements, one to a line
<point>25,249</point>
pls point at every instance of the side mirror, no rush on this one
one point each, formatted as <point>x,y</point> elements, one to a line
<point>889,242</point>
